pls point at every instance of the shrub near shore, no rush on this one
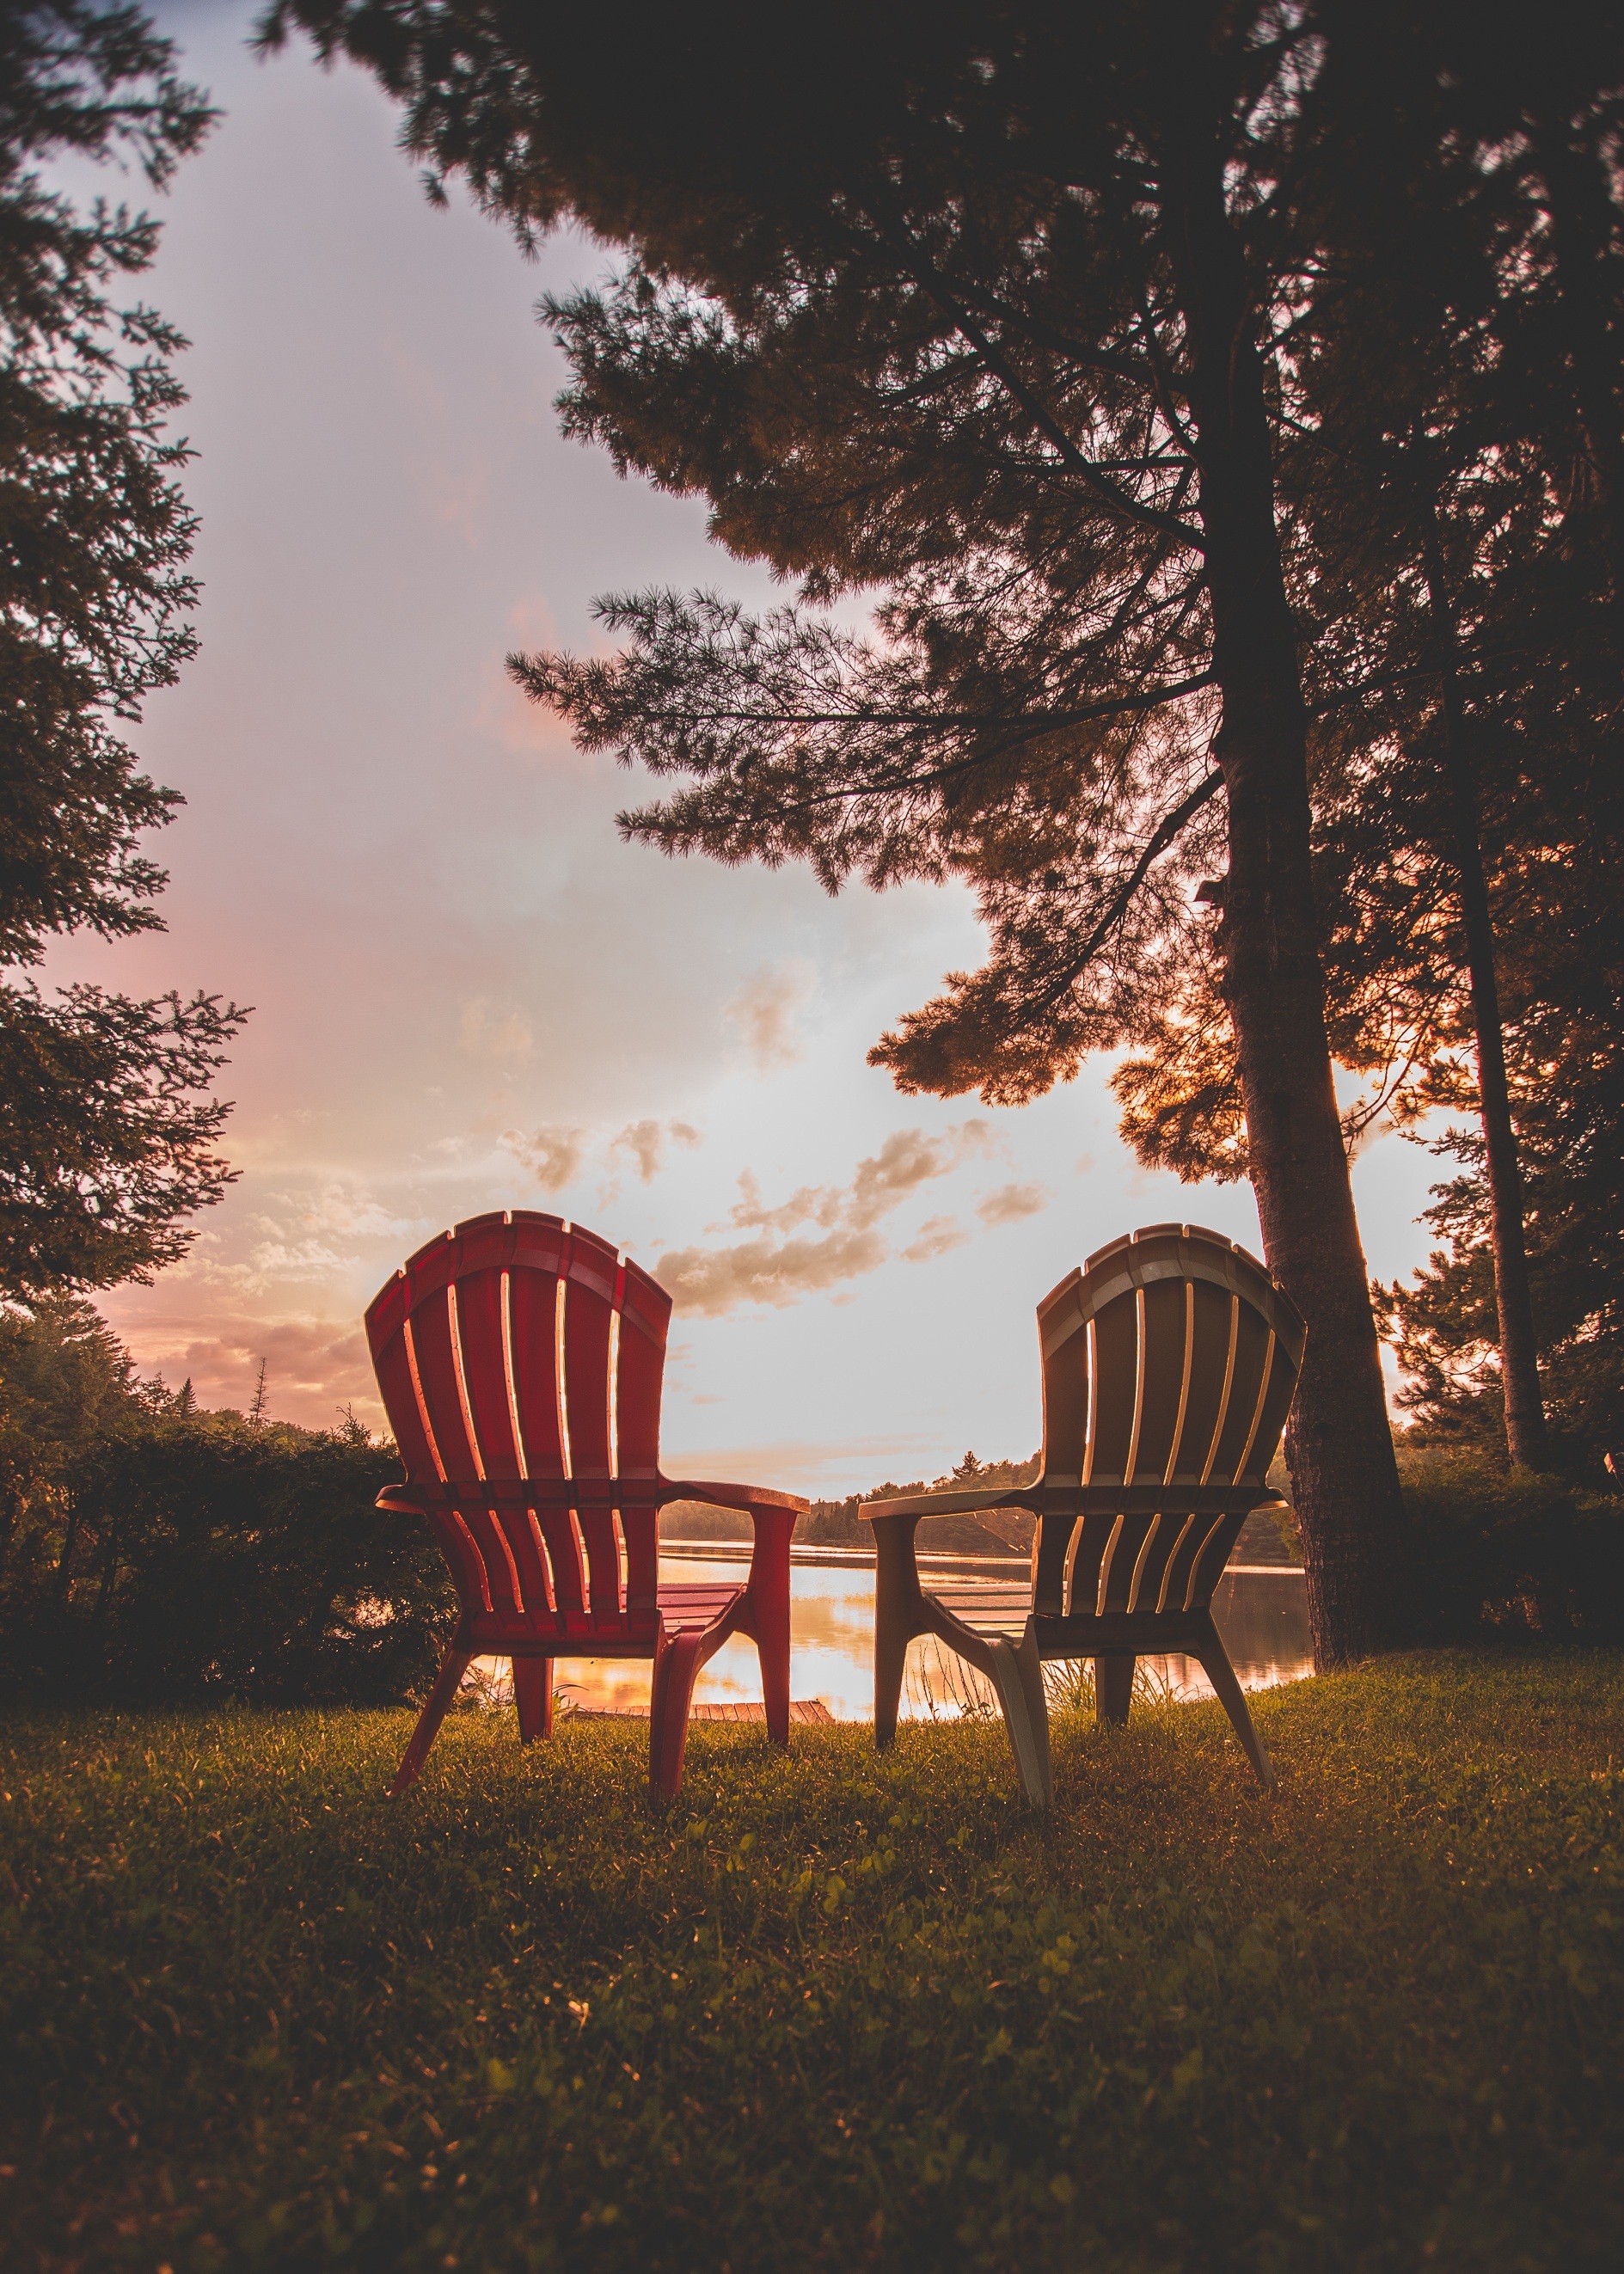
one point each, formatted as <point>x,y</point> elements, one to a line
<point>148,1549</point>
<point>830,2010</point>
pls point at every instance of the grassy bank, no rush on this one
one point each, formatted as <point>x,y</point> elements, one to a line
<point>828,2012</point>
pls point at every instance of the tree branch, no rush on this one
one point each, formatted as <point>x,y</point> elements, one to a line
<point>1040,722</point>
<point>1163,835</point>
<point>930,280</point>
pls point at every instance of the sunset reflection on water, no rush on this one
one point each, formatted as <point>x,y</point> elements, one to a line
<point>1261,1612</point>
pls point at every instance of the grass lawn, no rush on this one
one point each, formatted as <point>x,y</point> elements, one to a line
<point>827,2011</point>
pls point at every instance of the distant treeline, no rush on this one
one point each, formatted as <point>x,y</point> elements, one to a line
<point>839,1524</point>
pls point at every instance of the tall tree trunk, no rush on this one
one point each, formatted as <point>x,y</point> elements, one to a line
<point>65,1562</point>
<point>1583,220</point>
<point>1519,1363</point>
<point>1339,1447</point>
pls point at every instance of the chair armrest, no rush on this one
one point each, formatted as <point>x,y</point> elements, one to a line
<point>400,1500</point>
<point>959,1503</point>
<point>773,1514</point>
<point>897,1566</point>
<point>747,1497</point>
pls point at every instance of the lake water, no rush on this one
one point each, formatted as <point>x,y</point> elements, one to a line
<point>1261,1612</point>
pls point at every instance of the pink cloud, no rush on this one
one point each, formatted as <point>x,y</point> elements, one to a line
<point>710,1281</point>
<point>905,1160</point>
<point>1010,1202</point>
<point>935,1236</point>
<point>312,1366</point>
<point>764,1012</point>
<point>554,1155</point>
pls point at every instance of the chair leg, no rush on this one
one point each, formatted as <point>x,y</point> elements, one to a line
<point>453,1666</point>
<point>1113,1689</point>
<point>892,1637</point>
<point>772,1648</point>
<point>676,1671</point>
<point>532,1694</point>
<point>1215,1663</point>
<point>1017,1678</point>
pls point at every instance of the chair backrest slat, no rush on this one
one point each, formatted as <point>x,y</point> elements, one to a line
<point>1165,1327</point>
<point>518,1349</point>
<point>555,1527</point>
<point>640,1367</point>
<point>590,1325</point>
<point>1213,1313</point>
<point>1170,1359</point>
<point>431,1329</point>
<point>1113,1364</point>
<point>479,1306</point>
<point>590,1322</point>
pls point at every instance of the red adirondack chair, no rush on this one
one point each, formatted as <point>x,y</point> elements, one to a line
<point>520,1360</point>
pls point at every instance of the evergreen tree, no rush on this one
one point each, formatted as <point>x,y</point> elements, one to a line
<point>1448,560</point>
<point>976,307</point>
<point>1448,551</point>
<point>1016,316</point>
<point>1563,974</point>
<point>107,1135</point>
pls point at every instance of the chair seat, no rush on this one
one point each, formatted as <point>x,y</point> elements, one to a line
<point>685,1607</point>
<point>1004,1611</point>
<point>690,1603</point>
<point>987,1609</point>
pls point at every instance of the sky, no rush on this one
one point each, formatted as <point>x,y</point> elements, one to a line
<point>469,993</point>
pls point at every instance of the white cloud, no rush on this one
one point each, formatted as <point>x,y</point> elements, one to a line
<point>818,1204</point>
<point>1010,1202</point>
<point>495,1030</point>
<point>710,1281</point>
<point>278,1257</point>
<point>553,1155</point>
<point>935,1236</point>
<point>764,1012</point>
<point>645,1141</point>
<point>908,1159</point>
<point>345,1209</point>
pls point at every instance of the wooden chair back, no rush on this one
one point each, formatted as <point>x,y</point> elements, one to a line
<point>521,1361</point>
<point>1169,1361</point>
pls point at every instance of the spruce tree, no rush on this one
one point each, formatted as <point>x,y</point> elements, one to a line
<point>1008,315</point>
<point>1449,549</point>
<point>974,307</point>
<point>107,1138</point>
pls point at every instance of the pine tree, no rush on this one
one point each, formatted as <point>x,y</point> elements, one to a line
<point>1562,968</point>
<point>977,307</point>
<point>1016,316</point>
<point>1447,549</point>
<point>107,1141</point>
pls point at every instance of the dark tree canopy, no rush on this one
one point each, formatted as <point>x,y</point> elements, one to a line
<point>1562,970</point>
<point>1032,323</point>
<point>107,1131</point>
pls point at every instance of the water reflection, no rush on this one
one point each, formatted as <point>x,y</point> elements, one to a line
<point>1261,1612</point>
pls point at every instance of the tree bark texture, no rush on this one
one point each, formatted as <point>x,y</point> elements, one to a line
<point>1339,1447</point>
<point>1526,1438</point>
